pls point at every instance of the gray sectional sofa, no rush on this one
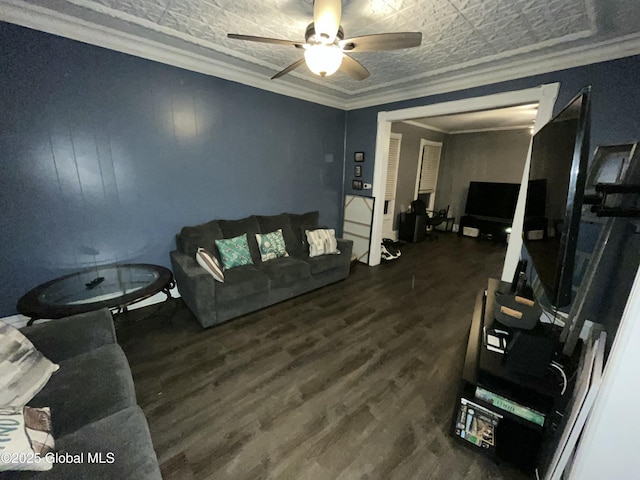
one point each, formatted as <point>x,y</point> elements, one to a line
<point>251,287</point>
<point>92,401</point>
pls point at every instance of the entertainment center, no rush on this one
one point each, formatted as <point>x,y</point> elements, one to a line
<point>517,379</point>
<point>500,409</point>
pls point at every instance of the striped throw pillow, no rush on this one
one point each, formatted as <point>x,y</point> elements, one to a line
<point>322,241</point>
<point>210,263</point>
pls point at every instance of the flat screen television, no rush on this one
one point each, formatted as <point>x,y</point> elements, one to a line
<point>492,199</point>
<point>559,156</point>
<point>536,198</point>
<point>498,200</point>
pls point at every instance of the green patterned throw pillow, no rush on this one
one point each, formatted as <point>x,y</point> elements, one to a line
<point>234,252</point>
<point>271,245</point>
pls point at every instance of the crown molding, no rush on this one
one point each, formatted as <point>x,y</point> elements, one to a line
<point>50,21</point>
<point>570,58</point>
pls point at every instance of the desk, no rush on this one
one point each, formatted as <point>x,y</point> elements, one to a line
<point>502,413</point>
<point>111,286</point>
<point>412,227</point>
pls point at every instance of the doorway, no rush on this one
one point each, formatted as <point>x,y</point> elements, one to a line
<point>544,95</point>
<point>427,174</point>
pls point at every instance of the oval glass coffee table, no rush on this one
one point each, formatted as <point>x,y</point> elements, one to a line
<point>111,286</point>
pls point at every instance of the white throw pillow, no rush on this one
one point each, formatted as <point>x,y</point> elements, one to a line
<point>23,369</point>
<point>25,439</point>
<point>210,263</point>
<point>322,241</point>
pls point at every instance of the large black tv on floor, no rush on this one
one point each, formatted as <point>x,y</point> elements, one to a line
<point>559,155</point>
<point>492,199</point>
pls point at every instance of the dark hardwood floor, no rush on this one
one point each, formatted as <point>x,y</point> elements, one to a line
<point>353,381</point>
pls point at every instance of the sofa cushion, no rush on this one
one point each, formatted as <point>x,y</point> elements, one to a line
<point>87,387</point>
<point>249,225</point>
<point>241,282</point>
<point>74,335</point>
<point>308,220</point>
<point>322,263</point>
<point>204,235</point>
<point>285,270</point>
<point>24,371</point>
<point>124,434</point>
<point>271,223</point>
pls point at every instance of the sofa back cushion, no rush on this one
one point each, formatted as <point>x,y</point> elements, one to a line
<point>273,223</point>
<point>301,222</point>
<point>199,236</point>
<point>235,228</point>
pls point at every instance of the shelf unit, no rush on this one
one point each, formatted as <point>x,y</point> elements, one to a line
<point>500,429</point>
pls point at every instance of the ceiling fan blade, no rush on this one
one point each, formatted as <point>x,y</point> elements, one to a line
<point>326,19</point>
<point>381,41</point>
<point>353,68</point>
<point>293,66</point>
<point>277,41</point>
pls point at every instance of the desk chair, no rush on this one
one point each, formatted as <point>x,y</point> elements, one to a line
<point>433,218</point>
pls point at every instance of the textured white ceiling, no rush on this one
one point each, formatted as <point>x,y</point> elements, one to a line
<point>465,42</point>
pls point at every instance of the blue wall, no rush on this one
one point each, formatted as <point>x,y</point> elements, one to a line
<point>615,103</point>
<point>105,156</point>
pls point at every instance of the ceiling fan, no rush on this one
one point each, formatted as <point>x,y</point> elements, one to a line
<point>325,47</point>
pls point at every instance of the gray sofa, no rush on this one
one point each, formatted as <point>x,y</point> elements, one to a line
<point>251,287</point>
<point>92,401</point>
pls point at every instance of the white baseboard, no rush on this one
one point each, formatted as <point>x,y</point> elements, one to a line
<point>19,321</point>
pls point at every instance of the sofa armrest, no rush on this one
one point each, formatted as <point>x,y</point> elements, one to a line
<point>196,286</point>
<point>345,246</point>
<point>67,337</point>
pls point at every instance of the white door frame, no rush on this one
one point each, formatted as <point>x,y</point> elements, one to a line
<point>431,143</point>
<point>545,95</point>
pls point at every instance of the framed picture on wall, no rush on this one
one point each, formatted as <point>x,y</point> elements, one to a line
<point>357,170</point>
<point>358,157</point>
<point>357,184</point>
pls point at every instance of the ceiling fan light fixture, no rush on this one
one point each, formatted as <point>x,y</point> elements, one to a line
<point>323,60</point>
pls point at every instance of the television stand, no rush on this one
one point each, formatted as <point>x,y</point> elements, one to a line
<point>488,228</point>
<point>498,229</point>
<point>504,414</point>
